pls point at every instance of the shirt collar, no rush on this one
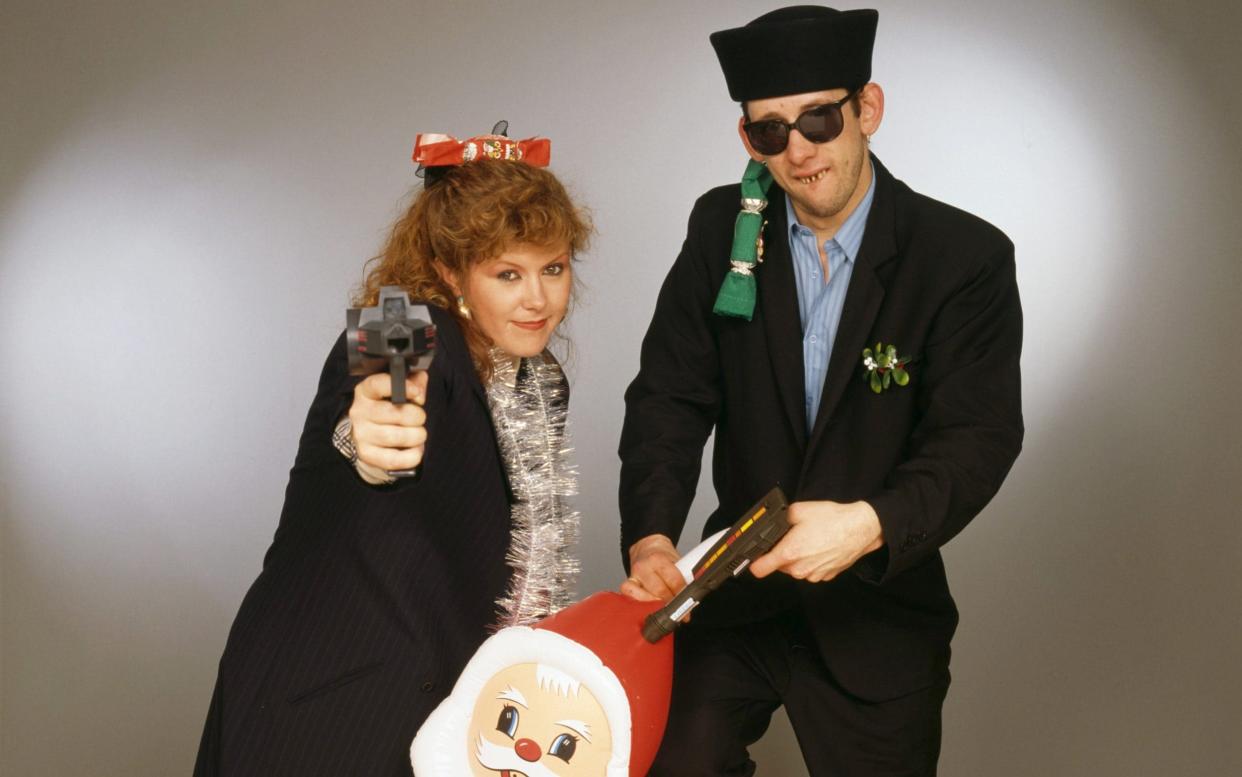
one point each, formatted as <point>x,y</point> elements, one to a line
<point>849,237</point>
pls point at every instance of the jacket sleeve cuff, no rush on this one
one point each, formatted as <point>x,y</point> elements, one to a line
<point>905,543</point>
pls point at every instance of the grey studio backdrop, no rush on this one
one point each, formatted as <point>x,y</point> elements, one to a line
<point>188,192</point>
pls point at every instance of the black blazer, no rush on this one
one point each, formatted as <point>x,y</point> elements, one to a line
<point>372,599</point>
<point>933,280</point>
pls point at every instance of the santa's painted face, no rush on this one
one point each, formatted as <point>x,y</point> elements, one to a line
<point>531,720</point>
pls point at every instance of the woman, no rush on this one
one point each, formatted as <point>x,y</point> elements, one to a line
<point>377,590</point>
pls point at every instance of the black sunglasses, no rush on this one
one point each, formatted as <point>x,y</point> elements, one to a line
<point>818,125</point>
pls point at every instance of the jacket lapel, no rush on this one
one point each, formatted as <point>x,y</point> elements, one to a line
<point>862,300</point>
<point>778,293</point>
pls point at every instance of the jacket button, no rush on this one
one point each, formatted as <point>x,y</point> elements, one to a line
<point>428,687</point>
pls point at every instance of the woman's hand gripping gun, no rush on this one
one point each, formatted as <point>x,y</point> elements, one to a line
<point>393,336</point>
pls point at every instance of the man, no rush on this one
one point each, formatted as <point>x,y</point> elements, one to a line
<point>887,452</point>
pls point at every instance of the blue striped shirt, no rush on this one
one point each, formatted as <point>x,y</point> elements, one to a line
<point>820,300</point>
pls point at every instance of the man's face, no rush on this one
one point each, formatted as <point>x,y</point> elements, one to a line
<point>531,721</point>
<point>824,180</point>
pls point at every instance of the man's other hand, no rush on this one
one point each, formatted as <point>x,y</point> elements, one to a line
<point>653,570</point>
<point>824,539</point>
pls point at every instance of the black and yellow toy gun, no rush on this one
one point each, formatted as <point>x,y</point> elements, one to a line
<point>728,554</point>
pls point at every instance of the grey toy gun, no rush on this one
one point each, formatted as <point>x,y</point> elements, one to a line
<point>393,336</point>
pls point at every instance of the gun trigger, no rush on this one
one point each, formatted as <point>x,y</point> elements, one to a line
<point>738,569</point>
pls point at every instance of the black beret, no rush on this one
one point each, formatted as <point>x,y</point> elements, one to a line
<point>802,48</point>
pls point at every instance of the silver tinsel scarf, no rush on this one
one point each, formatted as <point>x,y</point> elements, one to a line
<point>529,405</point>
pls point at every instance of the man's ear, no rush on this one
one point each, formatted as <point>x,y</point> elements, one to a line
<point>447,276</point>
<point>741,133</point>
<point>870,108</point>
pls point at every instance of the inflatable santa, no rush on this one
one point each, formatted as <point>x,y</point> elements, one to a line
<point>579,694</point>
<point>582,693</point>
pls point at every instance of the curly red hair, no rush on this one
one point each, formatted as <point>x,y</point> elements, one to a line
<point>473,213</point>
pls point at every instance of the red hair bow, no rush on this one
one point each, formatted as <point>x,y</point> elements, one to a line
<point>434,150</point>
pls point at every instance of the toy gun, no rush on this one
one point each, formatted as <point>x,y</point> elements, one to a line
<point>722,556</point>
<point>394,336</point>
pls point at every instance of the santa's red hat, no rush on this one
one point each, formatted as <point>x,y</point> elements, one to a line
<point>610,626</point>
<point>598,642</point>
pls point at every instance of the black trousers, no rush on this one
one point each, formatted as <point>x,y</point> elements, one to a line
<point>728,682</point>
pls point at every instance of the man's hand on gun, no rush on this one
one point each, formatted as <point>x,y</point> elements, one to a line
<point>390,437</point>
<point>824,539</point>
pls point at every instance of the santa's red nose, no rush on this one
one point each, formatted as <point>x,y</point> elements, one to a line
<point>527,750</point>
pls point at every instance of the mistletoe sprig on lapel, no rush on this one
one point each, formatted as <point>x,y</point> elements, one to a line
<point>884,367</point>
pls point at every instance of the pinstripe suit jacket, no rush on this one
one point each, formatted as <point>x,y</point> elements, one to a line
<point>371,599</point>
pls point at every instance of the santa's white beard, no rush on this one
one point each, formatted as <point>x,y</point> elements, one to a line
<point>498,758</point>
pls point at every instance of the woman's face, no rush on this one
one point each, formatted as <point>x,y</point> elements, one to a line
<point>518,298</point>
